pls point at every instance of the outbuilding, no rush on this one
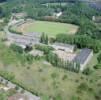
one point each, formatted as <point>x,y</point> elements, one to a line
<point>83,58</point>
<point>63,47</point>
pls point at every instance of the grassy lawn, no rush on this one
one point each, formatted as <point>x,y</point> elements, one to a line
<point>93,61</point>
<point>50,28</point>
<point>48,80</point>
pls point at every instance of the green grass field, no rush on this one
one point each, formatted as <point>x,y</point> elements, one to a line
<point>50,28</point>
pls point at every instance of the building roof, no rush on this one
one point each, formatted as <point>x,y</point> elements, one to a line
<point>23,39</point>
<point>96,5</point>
<point>82,56</point>
<point>64,45</point>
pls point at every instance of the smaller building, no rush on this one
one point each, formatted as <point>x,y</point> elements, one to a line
<point>83,58</point>
<point>19,15</point>
<point>57,15</point>
<point>63,47</point>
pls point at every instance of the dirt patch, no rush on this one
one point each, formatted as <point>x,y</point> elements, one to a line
<point>22,28</point>
<point>66,56</point>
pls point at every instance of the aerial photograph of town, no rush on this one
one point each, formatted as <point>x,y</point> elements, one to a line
<point>50,49</point>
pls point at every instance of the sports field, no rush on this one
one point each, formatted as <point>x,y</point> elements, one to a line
<point>50,28</point>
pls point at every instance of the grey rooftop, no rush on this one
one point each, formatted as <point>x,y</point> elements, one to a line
<point>82,56</point>
<point>64,45</point>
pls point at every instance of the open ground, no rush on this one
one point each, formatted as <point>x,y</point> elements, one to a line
<point>44,78</point>
<point>50,28</point>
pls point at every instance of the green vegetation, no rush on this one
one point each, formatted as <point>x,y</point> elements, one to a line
<point>3,95</point>
<point>44,39</point>
<point>16,48</point>
<point>53,80</point>
<point>82,41</point>
<point>46,49</point>
<point>49,28</point>
<point>56,61</point>
<point>40,77</point>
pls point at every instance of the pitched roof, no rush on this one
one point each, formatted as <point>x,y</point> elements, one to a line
<point>82,56</point>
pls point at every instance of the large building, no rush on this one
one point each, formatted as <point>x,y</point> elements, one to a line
<point>83,58</point>
<point>24,40</point>
<point>63,47</point>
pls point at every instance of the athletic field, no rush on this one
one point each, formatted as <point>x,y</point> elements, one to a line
<point>50,28</point>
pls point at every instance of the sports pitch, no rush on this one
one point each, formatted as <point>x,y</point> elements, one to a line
<point>50,28</point>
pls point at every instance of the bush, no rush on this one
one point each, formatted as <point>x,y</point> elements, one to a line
<point>13,31</point>
<point>53,75</point>
<point>99,58</point>
<point>64,77</point>
<point>83,87</point>
<point>17,87</point>
<point>87,71</point>
<point>29,58</point>
<point>16,48</point>
<point>46,49</point>
<point>98,66</point>
<point>8,76</point>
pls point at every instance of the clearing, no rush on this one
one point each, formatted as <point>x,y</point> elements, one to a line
<point>50,28</point>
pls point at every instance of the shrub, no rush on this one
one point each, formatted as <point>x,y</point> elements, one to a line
<point>17,87</point>
<point>53,75</point>
<point>83,87</point>
<point>87,71</point>
<point>64,77</point>
<point>99,58</point>
<point>98,66</point>
<point>29,58</point>
<point>13,31</point>
<point>46,49</point>
<point>16,48</point>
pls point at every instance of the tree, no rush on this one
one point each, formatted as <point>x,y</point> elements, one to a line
<point>87,71</point>
<point>44,38</point>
